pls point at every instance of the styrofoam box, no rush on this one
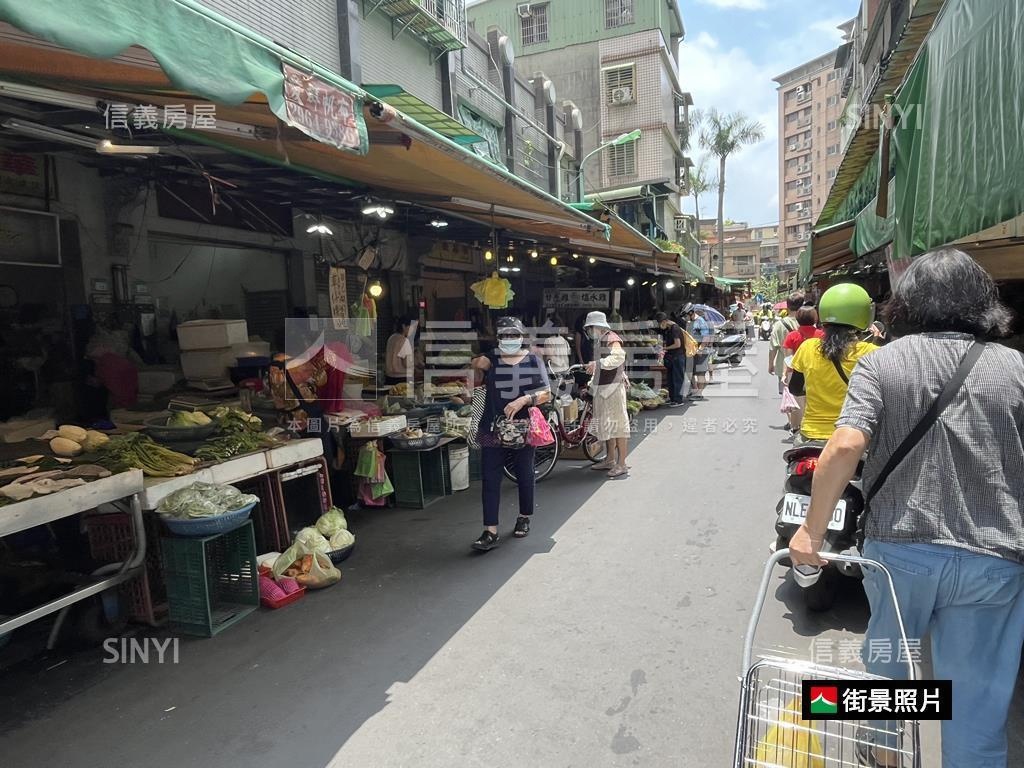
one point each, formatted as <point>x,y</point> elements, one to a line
<point>207,363</point>
<point>212,334</point>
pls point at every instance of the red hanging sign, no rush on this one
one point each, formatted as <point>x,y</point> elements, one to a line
<point>323,111</point>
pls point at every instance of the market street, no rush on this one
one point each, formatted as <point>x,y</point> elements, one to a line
<point>610,637</point>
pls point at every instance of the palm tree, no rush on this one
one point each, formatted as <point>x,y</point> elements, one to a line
<point>723,135</point>
<point>699,181</point>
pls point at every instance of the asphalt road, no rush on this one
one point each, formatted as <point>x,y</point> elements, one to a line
<point>611,636</point>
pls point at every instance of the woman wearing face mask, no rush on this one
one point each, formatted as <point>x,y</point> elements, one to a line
<point>611,419</point>
<point>516,380</point>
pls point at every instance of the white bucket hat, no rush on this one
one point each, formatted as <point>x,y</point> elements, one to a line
<point>596,320</point>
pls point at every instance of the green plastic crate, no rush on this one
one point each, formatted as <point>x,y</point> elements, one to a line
<point>212,582</point>
<point>420,477</point>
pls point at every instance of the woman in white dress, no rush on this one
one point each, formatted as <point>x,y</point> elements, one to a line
<point>608,387</point>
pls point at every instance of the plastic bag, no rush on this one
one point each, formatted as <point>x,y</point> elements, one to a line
<point>331,522</point>
<point>791,742</point>
<point>204,500</point>
<point>342,539</point>
<point>311,540</point>
<point>314,571</point>
<point>366,463</point>
<point>540,431</point>
<point>789,403</point>
<point>366,497</point>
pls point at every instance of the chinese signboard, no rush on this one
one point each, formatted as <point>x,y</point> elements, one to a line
<point>322,111</point>
<point>339,297</point>
<point>577,298</point>
<point>22,175</point>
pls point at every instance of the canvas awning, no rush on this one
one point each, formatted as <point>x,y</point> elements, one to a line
<point>830,248</point>
<point>178,52</point>
<point>426,115</point>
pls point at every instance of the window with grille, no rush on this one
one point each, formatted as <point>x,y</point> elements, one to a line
<point>618,13</point>
<point>620,84</point>
<point>622,160</point>
<point>535,26</point>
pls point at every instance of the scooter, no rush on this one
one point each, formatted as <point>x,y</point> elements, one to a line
<point>765,330</point>
<point>730,344</point>
<point>818,585</point>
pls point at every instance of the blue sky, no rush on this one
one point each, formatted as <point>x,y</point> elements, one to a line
<point>733,49</point>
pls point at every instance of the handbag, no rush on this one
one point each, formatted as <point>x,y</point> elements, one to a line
<point>540,431</point>
<point>918,432</point>
<point>690,344</point>
<point>511,433</point>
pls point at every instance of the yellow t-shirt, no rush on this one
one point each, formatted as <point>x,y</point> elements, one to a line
<point>825,390</point>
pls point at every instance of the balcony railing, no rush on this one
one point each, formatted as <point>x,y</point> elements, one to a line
<point>441,23</point>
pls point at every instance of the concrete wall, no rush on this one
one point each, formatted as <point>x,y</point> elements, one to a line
<point>404,61</point>
<point>308,27</point>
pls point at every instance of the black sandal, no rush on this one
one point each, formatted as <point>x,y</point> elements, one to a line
<point>486,542</point>
<point>522,529</point>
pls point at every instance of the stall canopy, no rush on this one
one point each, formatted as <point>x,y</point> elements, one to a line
<point>830,247</point>
<point>177,52</point>
<point>959,145</point>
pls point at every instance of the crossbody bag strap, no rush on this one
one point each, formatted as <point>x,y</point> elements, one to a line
<point>931,416</point>
<point>842,373</point>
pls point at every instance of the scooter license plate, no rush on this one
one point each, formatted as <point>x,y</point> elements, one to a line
<point>794,511</point>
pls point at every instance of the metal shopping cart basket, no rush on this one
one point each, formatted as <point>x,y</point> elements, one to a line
<point>770,730</point>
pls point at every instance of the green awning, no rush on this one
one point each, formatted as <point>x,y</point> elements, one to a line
<point>200,51</point>
<point>424,114</point>
<point>959,145</point>
<point>729,282</point>
<point>872,231</point>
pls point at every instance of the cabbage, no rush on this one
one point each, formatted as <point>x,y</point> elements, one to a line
<point>311,541</point>
<point>331,522</point>
<point>342,539</point>
<point>204,500</point>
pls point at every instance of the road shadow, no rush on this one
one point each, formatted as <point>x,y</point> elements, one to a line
<point>288,687</point>
<point>849,613</point>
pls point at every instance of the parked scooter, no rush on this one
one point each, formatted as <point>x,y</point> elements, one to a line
<point>730,344</point>
<point>818,585</point>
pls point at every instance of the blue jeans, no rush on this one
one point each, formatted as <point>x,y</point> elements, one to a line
<point>973,607</point>
<point>675,367</point>
<point>492,463</point>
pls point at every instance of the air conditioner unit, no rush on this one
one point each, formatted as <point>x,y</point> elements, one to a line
<point>799,182</point>
<point>622,96</point>
<point>798,207</point>
<point>524,10</point>
<point>793,147</point>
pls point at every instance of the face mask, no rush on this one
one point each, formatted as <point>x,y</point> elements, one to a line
<point>510,346</point>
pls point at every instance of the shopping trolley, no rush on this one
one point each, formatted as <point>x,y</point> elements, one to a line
<point>770,732</point>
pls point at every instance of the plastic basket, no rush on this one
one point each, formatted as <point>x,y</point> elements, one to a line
<point>415,443</point>
<point>286,600</point>
<point>110,541</point>
<point>209,526</point>
<point>212,582</point>
<point>341,555</point>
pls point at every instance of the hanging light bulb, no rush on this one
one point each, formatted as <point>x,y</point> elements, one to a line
<point>631,282</point>
<point>575,255</point>
<point>592,260</point>
<point>511,258</point>
<point>533,254</point>
<point>554,261</point>
<point>488,255</point>
<point>669,285</point>
<point>376,289</point>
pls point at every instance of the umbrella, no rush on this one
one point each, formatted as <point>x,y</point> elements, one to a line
<point>780,305</point>
<point>711,314</point>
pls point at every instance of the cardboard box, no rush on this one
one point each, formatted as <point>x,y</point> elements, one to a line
<point>212,334</point>
<point>570,412</point>
<point>207,363</point>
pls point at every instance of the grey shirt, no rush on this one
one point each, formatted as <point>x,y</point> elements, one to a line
<point>963,484</point>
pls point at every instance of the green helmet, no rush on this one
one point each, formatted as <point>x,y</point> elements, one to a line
<point>846,304</point>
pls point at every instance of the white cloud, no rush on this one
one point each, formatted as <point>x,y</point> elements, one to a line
<point>828,31</point>
<point>727,79</point>
<point>744,5</point>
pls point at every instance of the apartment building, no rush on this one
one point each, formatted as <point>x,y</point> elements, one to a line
<point>424,59</point>
<point>747,249</point>
<point>810,147</point>
<point>617,61</point>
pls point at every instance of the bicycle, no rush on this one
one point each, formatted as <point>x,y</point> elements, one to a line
<point>578,436</point>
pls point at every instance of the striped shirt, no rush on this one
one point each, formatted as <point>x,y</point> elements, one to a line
<point>963,484</point>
